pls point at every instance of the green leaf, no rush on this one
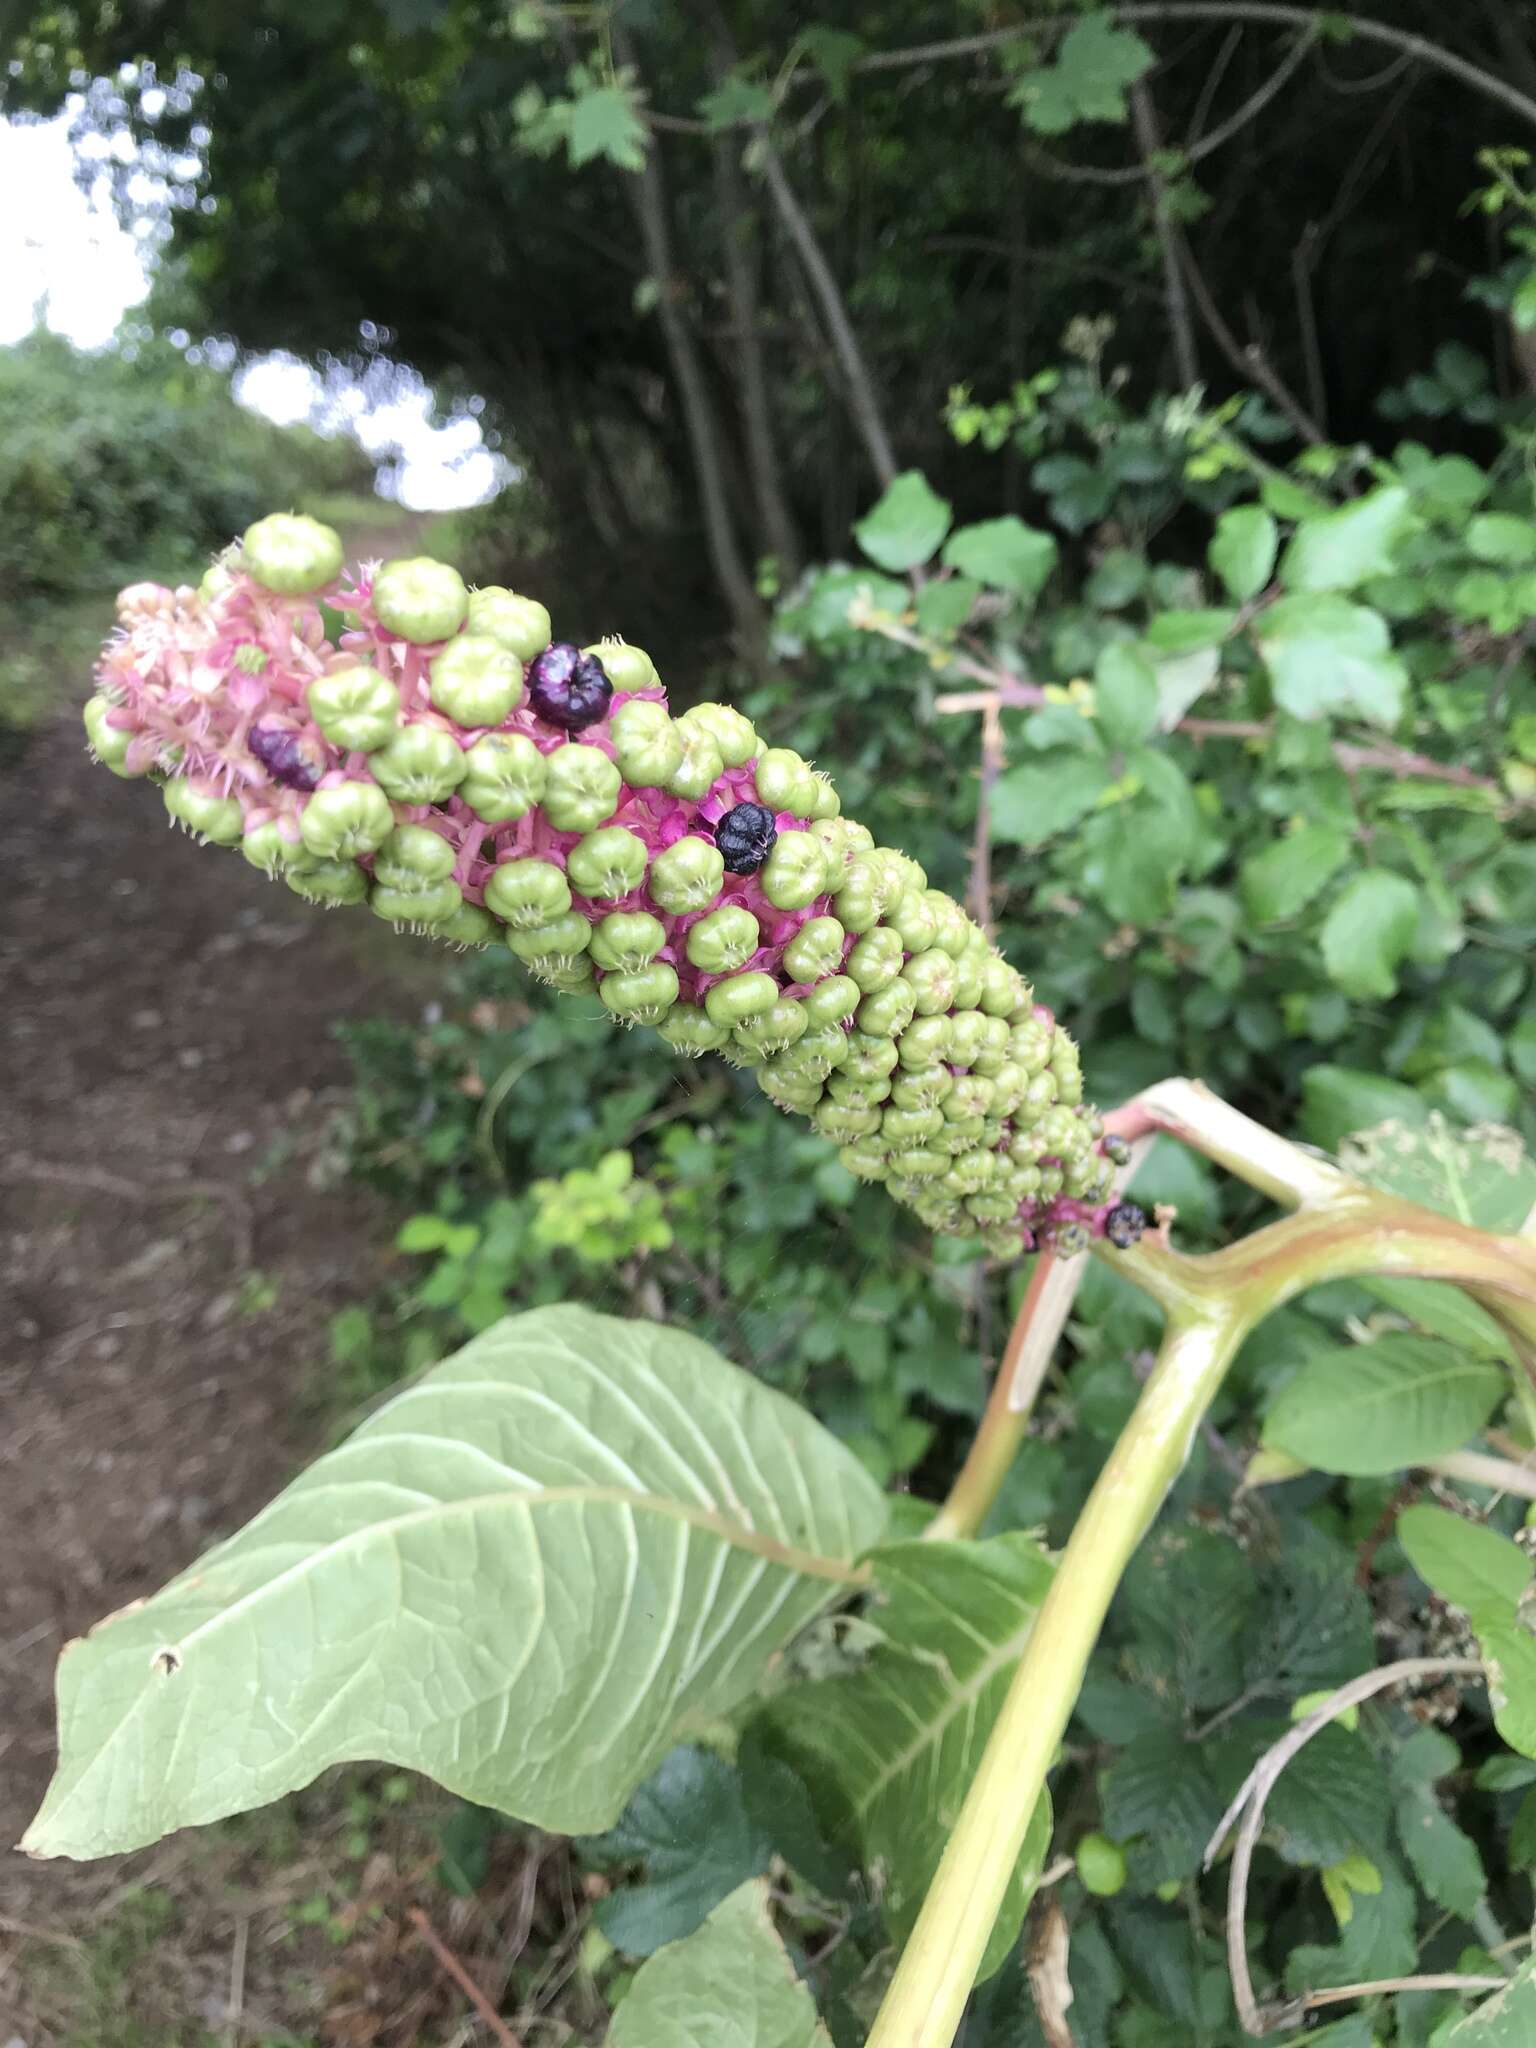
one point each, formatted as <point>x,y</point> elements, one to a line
<point>1004,553</point>
<point>1508,2018</point>
<point>1509,1657</point>
<point>944,607</point>
<point>1325,654</point>
<point>731,1985</point>
<point>1094,65</point>
<point>1041,797</point>
<point>837,596</point>
<point>1501,538</point>
<point>1343,549</point>
<point>834,52</point>
<point>1483,1176</point>
<point>1378,1407</point>
<point>1332,1799</point>
<point>907,524</point>
<point>1339,1100</point>
<point>1182,679</point>
<point>1369,931</point>
<point>1471,1566</point>
<point>1242,550</point>
<point>890,1750</point>
<point>1280,882</point>
<point>604,123</point>
<point>1125,694</point>
<point>1444,1311</point>
<point>1160,1788</point>
<point>1186,632</point>
<point>522,1576</point>
<point>1444,1860</point>
<point>735,101</point>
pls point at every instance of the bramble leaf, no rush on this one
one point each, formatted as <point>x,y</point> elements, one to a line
<point>1325,655</point>
<point>1087,82</point>
<point>1004,553</point>
<point>1342,549</point>
<point>906,525</point>
<point>730,1985</point>
<point>1280,882</point>
<point>1242,550</point>
<point>1482,1176</point>
<point>1367,934</point>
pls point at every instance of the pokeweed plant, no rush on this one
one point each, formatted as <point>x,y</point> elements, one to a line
<point>582,1540</point>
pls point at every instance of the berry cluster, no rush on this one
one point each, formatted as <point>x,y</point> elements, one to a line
<point>389,736</point>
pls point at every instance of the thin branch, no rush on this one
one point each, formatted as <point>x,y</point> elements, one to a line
<point>1250,362</point>
<point>1230,44</point>
<point>1250,1802</point>
<point>449,1962</point>
<point>1473,75</point>
<point>863,402</point>
<point>993,761</point>
<point>1476,1468</point>
<point>1149,142</point>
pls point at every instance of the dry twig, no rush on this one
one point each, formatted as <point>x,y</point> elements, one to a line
<point>452,1967</point>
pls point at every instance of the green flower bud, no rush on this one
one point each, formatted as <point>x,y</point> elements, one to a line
<point>565,938</point>
<point>903,1127</point>
<point>844,1126</point>
<point>687,1029</point>
<point>645,742</point>
<point>864,1160</point>
<point>772,1031</point>
<point>825,801</point>
<point>419,764</point>
<point>921,1087</point>
<point>952,928</point>
<point>741,996</point>
<point>267,847</point>
<point>348,819</point>
<point>413,856</point>
<point>724,940</point>
<point>581,787</point>
<point>643,997</point>
<point>206,814</point>
<point>830,1001</point>
<point>626,667</point>
<point>857,1094</point>
<point>355,708</point>
<point>420,599</point>
<point>912,921</point>
<point>521,624</point>
<point>700,766</point>
<point>475,680</point>
<point>816,950</point>
<point>888,1012</point>
<point>608,863</point>
<point>431,904</point>
<point>468,926</point>
<point>966,1031</point>
<point>291,553</point>
<point>108,744</point>
<point>687,876</point>
<point>1004,990</point>
<point>931,977</point>
<point>528,892</point>
<point>795,873</point>
<point>925,1042</point>
<point>328,881</point>
<point>627,940</point>
<point>876,960</point>
<point>734,738</point>
<point>784,782</point>
<point>504,775</point>
<point>868,1056</point>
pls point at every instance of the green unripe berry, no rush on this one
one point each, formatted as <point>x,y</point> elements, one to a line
<point>825,801</point>
<point>413,856</point>
<point>627,940</point>
<point>528,892</point>
<point>699,767</point>
<point>355,708</point>
<point>992,1053</point>
<point>773,1031</point>
<point>268,848</point>
<point>973,1171</point>
<point>520,624</point>
<point>917,1162</point>
<point>218,819</point>
<point>626,667</point>
<point>921,1087</point>
<point>800,1097</point>
<point>970,977</point>
<point>431,904</point>
<point>741,996</point>
<point>795,873</point>
<point>643,997</point>
<point>419,764</point>
<point>291,553</point>
<point>420,599</point>
<point>830,1001</point>
<point>565,938</point>
<point>475,680</point>
<point>504,776</point>
<point>966,1031</point>
<point>902,1127</point>
<point>1101,1866</point>
<point>952,928</point>
<point>957,1134</point>
<point>864,1161</point>
<point>931,977</point>
<point>724,940</point>
<point>816,950</point>
<point>1030,1043</point>
<point>1039,1094</point>
<point>687,876</point>
<point>645,742</point>
<point>348,819</point>
<point>876,960</point>
<point>581,787</point>
<point>912,921</point>
<point>1008,1085</point>
<point>970,1096</point>
<point>328,881</point>
<point>818,1053</point>
<point>687,1029</point>
<point>857,905</point>
<point>888,1011</point>
<point>842,1125</point>
<point>1003,990</point>
<point>925,1042</point>
<point>108,744</point>
<point>856,1094</point>
<point>784,782</point>
<point>733,735</point>
<point>468,926</point>
<point>844,840</point>
<point>608,863</point>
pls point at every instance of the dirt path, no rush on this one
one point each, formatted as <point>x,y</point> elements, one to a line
<point>172,1238</point>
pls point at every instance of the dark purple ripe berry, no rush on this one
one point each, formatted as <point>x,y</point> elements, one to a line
<point>1124,1225</point>
<point>281,752</point>
<point>745,837</point>
<point>568,688</point>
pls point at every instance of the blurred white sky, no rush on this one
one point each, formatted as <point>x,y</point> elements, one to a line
<point>64,256</point>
